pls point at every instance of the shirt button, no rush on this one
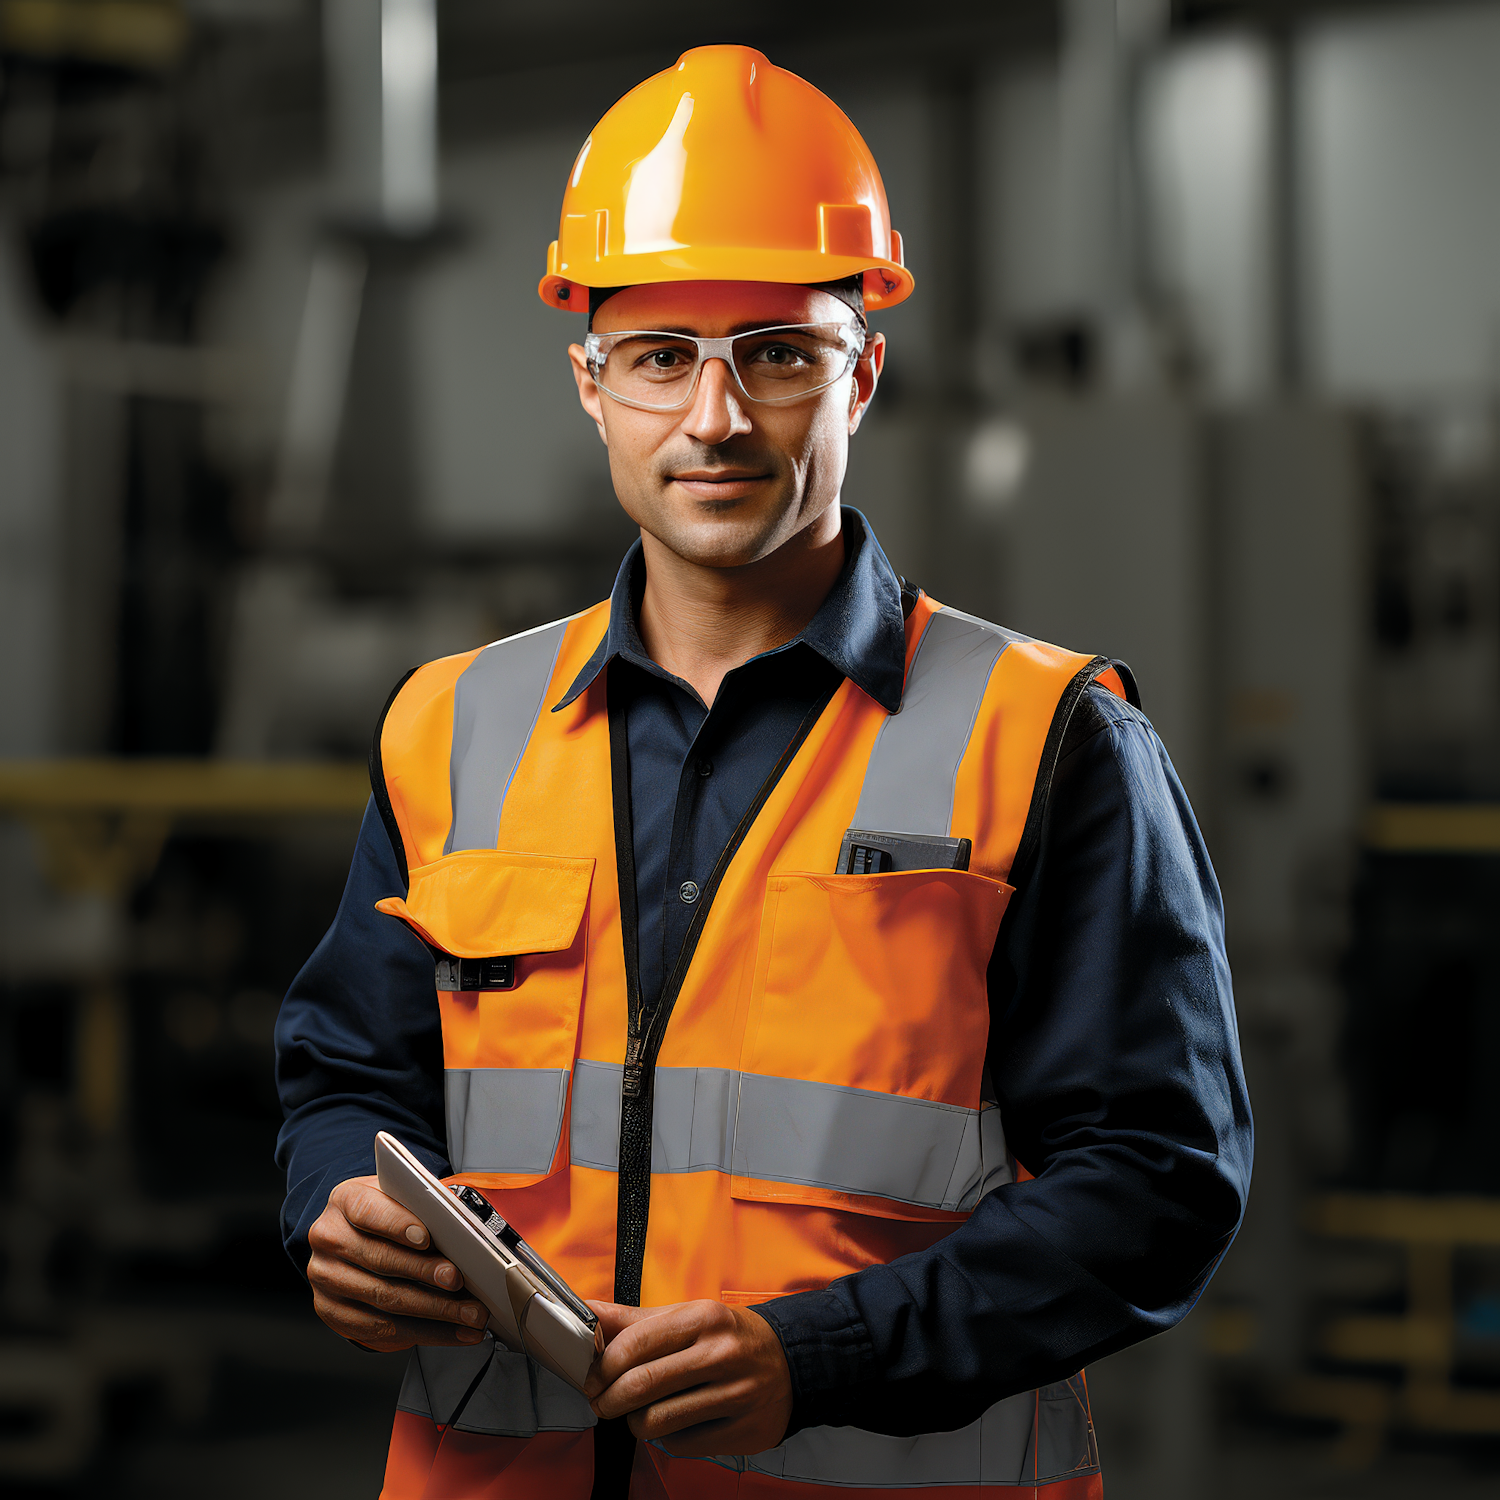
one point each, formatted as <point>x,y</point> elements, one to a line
<point>705,768</point>
<point>688,890</point>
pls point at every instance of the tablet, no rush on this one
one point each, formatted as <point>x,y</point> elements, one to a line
<point>532,1309</point>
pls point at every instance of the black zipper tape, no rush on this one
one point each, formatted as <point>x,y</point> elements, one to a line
<point>634,1186</point>
<point>645,1032</point>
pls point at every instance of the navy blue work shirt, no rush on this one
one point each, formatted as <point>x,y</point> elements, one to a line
<point>1112,1039</point>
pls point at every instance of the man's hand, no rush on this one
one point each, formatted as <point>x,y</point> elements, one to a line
<point>711,1377</point>
<point>376,1279</point>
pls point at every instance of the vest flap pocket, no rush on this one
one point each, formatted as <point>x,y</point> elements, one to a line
<point>508,1051</point>
<point>486,902</point>
<point>864,1045</point>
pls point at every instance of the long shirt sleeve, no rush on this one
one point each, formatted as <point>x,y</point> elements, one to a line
<point>1112,1051</point>
<point>358,1046</point>
<point>1114,1055</point>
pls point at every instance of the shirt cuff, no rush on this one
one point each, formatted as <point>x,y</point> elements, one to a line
<point>828,1352</point>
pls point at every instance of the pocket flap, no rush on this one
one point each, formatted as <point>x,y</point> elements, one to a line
<point>484,902</point>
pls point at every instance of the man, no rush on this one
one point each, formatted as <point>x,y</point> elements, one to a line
<point>830,985</point>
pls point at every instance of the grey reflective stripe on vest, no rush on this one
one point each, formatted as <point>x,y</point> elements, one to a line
<point>504,1119</point>
<point>515,1397</point>
<point>936,1156</point>
<point>1034,1438</point>
<point>860,1141</point>
<point>496,701</point>
<point>909,780</point>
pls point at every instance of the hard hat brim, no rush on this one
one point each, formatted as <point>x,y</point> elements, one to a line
<point>885,281</point>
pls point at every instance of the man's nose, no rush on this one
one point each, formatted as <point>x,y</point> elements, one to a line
<point>717,411</point>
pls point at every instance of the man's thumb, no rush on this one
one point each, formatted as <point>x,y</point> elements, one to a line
<point>614,1317</point>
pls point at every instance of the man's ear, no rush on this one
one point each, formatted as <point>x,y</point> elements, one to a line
<point>588,393</point>
<point>867,370</point>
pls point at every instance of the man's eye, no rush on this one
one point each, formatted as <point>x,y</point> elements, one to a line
<point>664,359</point>
<point>781,357</point>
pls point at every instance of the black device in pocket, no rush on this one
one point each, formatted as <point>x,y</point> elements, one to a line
<point>867,852</point>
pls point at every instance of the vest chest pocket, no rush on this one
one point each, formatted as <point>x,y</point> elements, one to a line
<point>508,1044</point>
<point>864,1045</point>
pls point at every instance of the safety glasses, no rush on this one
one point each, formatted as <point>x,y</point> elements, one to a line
<point>655,371</point>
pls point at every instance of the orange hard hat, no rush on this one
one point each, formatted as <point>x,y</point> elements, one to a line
<point>724,168</point>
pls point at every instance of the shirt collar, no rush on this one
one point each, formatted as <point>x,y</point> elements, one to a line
<point>859,628</point>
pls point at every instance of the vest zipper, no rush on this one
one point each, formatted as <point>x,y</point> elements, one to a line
<point>644,1032</point>
<point>635,1048</point>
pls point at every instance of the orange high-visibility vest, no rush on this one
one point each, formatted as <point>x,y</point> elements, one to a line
<point>817,1103</point>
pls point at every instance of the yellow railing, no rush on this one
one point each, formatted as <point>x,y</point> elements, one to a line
<point>179,787</point>
<point>102,823</point>
<point>1420,1341</point>
<point>1433,827</point>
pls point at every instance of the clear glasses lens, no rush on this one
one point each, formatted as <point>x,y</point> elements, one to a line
<point>659,370</point>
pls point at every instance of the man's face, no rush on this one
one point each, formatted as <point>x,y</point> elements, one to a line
<point>725,481</point>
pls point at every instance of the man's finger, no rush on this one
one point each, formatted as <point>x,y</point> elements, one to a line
<point>385,1331</point>
<point>349,1283</point>
<point>651,1383</point>
<point>615,1317</point>
<point>367,1208</point>
<point>669,1330</point>
<point>384,1258</point>
<point>690,1405</point>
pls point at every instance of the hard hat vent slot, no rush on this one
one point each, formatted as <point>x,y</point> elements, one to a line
<point>845,229</point>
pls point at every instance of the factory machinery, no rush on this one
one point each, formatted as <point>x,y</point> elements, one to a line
<point>1309,597</point>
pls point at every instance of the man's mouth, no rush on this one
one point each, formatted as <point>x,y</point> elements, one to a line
<point>719,484</point>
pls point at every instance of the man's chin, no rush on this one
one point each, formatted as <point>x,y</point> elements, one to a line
<point>720,541</point>
<point>714,552</point>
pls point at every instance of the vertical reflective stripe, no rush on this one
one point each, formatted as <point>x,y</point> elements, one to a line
<point>496,702</point>
<point>908,785</point>
<point>504,1119</point>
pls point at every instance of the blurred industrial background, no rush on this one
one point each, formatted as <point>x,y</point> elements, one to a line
<point>1203,372</point>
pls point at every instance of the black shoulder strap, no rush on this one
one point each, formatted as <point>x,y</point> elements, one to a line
<point>378,788</point>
